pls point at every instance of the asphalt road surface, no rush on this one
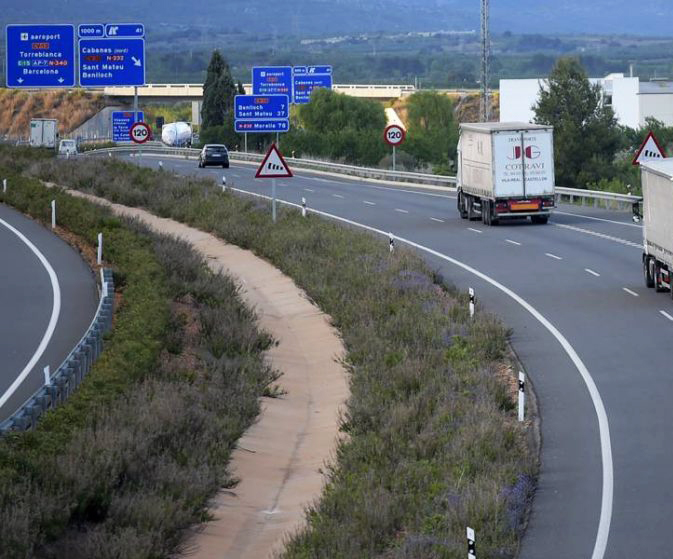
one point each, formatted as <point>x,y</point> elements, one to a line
<point>595,343</point>
<point>48,298</point>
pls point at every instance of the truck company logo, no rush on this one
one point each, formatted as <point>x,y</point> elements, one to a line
<point>531,152</point>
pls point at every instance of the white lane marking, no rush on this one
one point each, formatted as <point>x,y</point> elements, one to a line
<point>368,203</point>
<point>667,315</point>
<point>338,196</point>
<point>309,190</point>
<point>589,271</point>
<point>603,425</point>
<point>630,292</point>
<point>600,235</point>
<point>510,241</point>
<point>437,220</point>
<point>401,211</point>
<point>53,320</point>
<point>475,230</point>
<point>553,256</point>
<point>599,219</point>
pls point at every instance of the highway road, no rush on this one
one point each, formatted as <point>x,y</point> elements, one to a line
<point>594,341</point>
<point>48,298</point>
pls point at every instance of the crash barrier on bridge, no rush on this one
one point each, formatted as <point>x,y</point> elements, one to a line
<point>597,198</point>
<point>74,368</point>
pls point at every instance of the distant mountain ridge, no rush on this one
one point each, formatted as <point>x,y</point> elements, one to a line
<point>322,17</point>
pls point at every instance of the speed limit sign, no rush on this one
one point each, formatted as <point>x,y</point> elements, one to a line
<point>394,135</point>
<point>140,132</point>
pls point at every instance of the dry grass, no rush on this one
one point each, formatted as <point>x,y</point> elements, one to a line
<point>70,107</point>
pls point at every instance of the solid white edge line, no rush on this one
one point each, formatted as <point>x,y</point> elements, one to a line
<point>603,425</point>
<point>55,312</point>
<point>589,271</point>
<point>510,241</point>
<point>664,313</point>
<point>553,256</point>
<point>630,292</point>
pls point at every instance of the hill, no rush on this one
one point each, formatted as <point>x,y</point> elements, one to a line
<point>321,17</point>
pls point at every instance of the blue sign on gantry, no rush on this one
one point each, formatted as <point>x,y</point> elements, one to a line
<point>114,61</point>
<point>88,30</point>
<point>272,80</point>
<point>262,107</point>
<point>124,30</point>
<point>261,126</point>
<point>40,55</point>
<point>307,78</point>
<point>122,121</point>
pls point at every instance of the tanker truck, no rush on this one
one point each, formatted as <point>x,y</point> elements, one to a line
<point>177,134</point>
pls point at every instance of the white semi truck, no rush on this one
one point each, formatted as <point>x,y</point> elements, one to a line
<point>505,170</point>
<point>657,181</point>
<point>44,132</point>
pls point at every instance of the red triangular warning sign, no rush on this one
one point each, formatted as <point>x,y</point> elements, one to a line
<point>273,166</point>
<point>649,150</point>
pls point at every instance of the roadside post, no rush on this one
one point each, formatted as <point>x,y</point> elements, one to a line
<point>4,185</point>
<point>391,242</point>
<point>47,375</point>
<point>473,300</point>
<point>303,206</point>
<point>522,396</point>
<point>53,214</point>
<point>394,135</point>
<point>273,167</point>
<point>471,544</point>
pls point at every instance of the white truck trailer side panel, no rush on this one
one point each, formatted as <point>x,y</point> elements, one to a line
<point>524,164</point>
<point>657,184</point>
<point>43,132</point>
<point>476,155</point>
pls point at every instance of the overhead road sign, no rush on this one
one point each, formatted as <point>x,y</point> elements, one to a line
<point>261,126</point>
<point>307,78</point>
<point>124,30</point>
<point>40,56</point>
<point>104,62</point>
<point>650,149</point>
<point>262,107</point>
<point>140,132</point>
<point>122,122</point>
<point>272,80</point>
<point>89,30</point>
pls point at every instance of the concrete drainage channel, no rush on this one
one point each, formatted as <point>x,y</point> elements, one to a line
<point>74,368</point>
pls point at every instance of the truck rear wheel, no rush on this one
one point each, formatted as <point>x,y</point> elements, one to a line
<point>647,271</point>
<point>461,205</point>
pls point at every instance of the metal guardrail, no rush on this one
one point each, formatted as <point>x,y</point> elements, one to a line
<point>610,200</point>
<point>74,368</point>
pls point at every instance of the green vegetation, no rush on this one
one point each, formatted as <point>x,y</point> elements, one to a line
<point>134,455</point>
<point>433,443</point>
<point>338,127</point>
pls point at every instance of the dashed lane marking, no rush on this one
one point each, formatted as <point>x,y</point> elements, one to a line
<point>437,220</point>
<point>511,242</point>
<point>553,256</point>
<point>368,203</point>
<point>401,211</point>
<point>475,230</point>
<point>589,271</point>
<point>630,292</point>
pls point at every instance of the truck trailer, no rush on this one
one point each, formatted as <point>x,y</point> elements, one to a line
<point>657,181</point>
<point>505,170</point>
<point>44,132</point>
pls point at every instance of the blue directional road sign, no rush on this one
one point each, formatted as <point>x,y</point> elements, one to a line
<point>111,62</point>
<point>262,107</point>
<point>88,30</point>
<point>272,80</point>
<point>262,126</point>
<point>40,56</point>
<point>122,121</point>
<point>124,30</point>
<point>307,78</point>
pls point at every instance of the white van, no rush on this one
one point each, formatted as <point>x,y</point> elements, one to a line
<point>67,147</point>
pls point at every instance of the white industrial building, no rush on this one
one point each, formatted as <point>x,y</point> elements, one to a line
<point>632,100</point>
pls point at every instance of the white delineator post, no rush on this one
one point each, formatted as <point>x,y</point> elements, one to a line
<point>4,185</point>
<point>161,165</point>
<point>53,214</point>
<point>303,207</point>
<point>522,396</point>
<point>99,258</point>
<point>471,545</point>
<point>392,243</point>
<point>473,300</point>
<point>224,183</point>
<point>47,375</point>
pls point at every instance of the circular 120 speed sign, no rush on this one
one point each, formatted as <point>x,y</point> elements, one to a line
<point>394,135</point>
<point>140,132</point>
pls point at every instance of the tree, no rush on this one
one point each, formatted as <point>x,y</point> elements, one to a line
<point>432,128</point>
<point>586,135</point>
<point>219,91</point>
